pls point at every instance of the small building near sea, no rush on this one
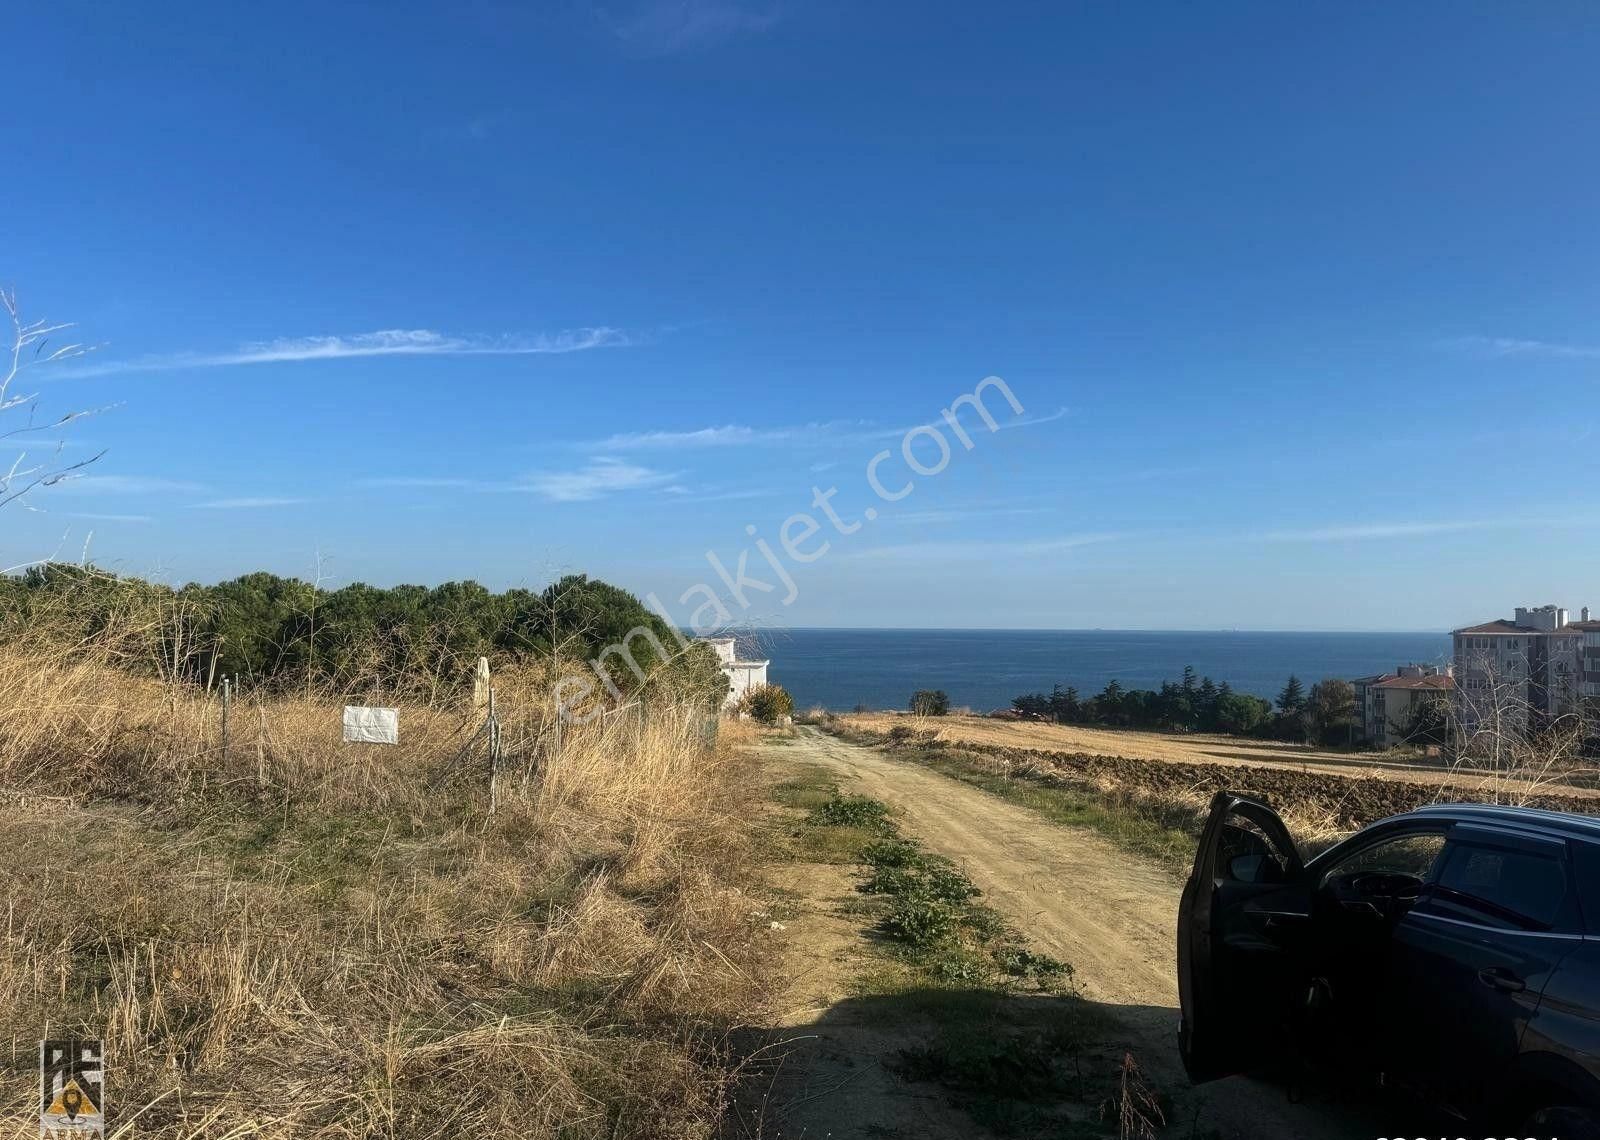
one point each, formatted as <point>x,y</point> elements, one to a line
<point>1385,703</point>
<point>742,675</point>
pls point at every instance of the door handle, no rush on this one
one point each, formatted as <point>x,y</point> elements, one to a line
<point>1502,979</point>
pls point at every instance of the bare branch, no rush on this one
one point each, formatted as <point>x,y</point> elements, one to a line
<point>29,348</point>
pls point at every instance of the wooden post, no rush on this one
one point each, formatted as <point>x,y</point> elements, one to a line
<point>227,704</point>
<point>494,754</point>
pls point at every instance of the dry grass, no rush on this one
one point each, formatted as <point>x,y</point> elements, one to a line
<point>309,938</point>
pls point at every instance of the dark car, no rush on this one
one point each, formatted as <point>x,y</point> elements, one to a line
<point>1454,950</point>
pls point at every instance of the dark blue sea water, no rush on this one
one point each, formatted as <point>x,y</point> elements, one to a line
<point>841,668</point>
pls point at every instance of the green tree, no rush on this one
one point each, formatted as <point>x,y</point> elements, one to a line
<point>767,703</point>
<point>1241,713</point>
<point>1292,699</point>
<point>1426,722</point>
<point>1332,710</point>
<point>930,702</point>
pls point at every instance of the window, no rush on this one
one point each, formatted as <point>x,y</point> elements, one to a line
<point>1505,889</point>
<point>1412,854</point>
<point>1242,837</point>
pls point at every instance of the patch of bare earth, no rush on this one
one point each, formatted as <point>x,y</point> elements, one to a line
<point>831,1070</point>
<point>1076,895</point>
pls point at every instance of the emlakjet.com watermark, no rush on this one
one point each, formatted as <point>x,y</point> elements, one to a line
<point>925,451</point>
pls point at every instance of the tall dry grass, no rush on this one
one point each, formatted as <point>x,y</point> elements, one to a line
<point>303,937</point>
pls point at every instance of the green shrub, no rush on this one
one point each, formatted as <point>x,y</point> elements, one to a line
<point>1020,962</point>
<point>892,881</point>
<point>955,965</point>
<point>851,811</point>
<point>767,703</point>
<point>947,885</point>
<point>930,702</point>
<point>919,921</point>
<point>892,852</point>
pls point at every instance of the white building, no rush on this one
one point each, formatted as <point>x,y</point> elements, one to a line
<point>1534,668</point>
<point>742,675</point>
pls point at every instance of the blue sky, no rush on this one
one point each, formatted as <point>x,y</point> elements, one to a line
<point>1300,304</point>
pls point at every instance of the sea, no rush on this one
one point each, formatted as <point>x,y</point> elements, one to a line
<point>841,669</point>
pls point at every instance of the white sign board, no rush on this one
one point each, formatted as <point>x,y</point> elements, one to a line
<point>364,725</point>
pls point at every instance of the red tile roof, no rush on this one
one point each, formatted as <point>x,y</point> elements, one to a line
<point>1513,627</point>
<point>1437,681</point>
<point>1494,627</point>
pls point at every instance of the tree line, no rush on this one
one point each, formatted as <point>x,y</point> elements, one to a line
<point>268,629</point>
<point>1326,714</point>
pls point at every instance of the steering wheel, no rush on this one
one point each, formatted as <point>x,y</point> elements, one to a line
<point>1385,884</point>
<point>1380,894</point>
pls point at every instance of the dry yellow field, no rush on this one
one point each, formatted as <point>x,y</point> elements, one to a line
<point>1199,748</point>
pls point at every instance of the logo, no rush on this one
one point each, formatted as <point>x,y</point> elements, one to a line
<point>71,1089</point>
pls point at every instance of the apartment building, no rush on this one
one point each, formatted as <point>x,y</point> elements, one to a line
<point>1526,672</point>
<point>1387,702</point>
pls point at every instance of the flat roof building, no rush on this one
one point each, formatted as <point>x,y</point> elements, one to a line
<point>742,675</point>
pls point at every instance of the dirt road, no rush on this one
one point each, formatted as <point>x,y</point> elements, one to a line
<point>1079,897</point>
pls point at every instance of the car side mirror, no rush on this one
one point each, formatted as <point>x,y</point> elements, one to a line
<point>1255,869</point>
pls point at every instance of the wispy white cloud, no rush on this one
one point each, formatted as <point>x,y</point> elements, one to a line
<point>1511,346</point>
<point>830,432</point>
<point>92,516</point>
<point>245,503</point>
<point>595,479</point>
<point>1361,531</point>
<point>726,435</point>
<point>130,485</point>
<point>1001,424</point>
<point>385,342</point>
<point>424,481</point>
<point>960,514</point>
<point>983,551</point>
<point>667,27</point>
<point>682,494</point>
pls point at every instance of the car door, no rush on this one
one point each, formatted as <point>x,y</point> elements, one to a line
<point>1241,919</point>
<point>1473,956</point>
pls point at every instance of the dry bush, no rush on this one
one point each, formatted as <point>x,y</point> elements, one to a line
<point>303,937</point>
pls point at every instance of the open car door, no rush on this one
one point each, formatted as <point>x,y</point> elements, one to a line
<point>1241,924</point>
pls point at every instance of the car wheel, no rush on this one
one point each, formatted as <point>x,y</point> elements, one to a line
<point>1567,1122</point>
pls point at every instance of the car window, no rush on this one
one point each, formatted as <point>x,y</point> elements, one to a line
<point>1586,857</point>
<point>1242,837</point>
<point>1412,854</point>
<point>1509,890</point>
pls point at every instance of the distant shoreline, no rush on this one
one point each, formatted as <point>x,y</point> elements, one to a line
<point>983,669</point>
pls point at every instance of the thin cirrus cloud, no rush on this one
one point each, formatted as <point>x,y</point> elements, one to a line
<point>358,346</point>
<point>985,551</point>
<point>1511,346</point>
<point>726,435</point>
<point>668,27</point>
<point>129,485</point>
<point>245,503</point>
<point>443,482</point>
<point>596,479</point>
<point>1362,531</point>
<point>90,516</point>
<point>740,435</point>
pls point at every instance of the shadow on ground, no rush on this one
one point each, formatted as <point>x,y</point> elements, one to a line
<point>956,1063</point>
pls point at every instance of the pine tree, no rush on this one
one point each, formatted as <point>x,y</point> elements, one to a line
<point>1293,697</point>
